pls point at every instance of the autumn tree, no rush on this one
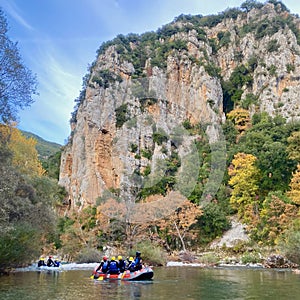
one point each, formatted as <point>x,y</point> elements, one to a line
<point>240,118</point>
<point>294,193</point>
<point>178,224</point>
<point>293,147</point>
<point>17,84</point>
<point>244,176</point>
<point>24,154</point>
<point>276,216</point>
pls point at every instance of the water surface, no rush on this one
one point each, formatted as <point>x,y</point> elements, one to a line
<point>168,283</point>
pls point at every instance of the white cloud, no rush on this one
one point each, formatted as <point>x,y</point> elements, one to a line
<point>13,11</point>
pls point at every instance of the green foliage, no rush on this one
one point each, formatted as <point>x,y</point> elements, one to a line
<point>64,223</point>
<point>250,4</point>
<point>250,258</point>
<point>224,39</point>
<point>147,170</point>
<point>277,213</point>
<point>163,177</point>
<point>151,253</point>
<point>160,136</point>
<point>133,148</point>
<point>44,148</point>
<point>19,245</point>
<point>273,46</point>
<point>249,100</point>
<point>187,124</point>
<point>289,243</point>
<point>209,259</point>
<point>233,88</point>
<point>122,115</point>
<point>290,68</point>
<point>267,140</point>
<point>105,77</point>
<point>52,165</point>
<point>146,153</point>
<point>212,223</point>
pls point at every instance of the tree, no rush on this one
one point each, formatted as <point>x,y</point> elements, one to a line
<point>178,224</point>
<point>17,83</point>
<point>277,215</point>
<point>294,193</point>
<point>240,118</point>
<point>293,147</point>
<point>250,4</point>
<point>25,156</point>
<point>244,180</point>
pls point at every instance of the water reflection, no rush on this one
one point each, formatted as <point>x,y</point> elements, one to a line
<point>122,289</point>
<point>169,283</point>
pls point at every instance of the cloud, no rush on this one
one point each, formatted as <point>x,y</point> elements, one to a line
<point>12,9</point>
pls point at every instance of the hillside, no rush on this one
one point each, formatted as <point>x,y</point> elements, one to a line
<point>44,148</point>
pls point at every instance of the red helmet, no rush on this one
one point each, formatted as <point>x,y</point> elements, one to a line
<point>104,258</point>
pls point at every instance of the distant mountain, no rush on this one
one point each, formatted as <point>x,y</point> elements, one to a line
<point>44,148</point>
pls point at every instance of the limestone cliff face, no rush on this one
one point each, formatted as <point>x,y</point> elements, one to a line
<point>141,89</point>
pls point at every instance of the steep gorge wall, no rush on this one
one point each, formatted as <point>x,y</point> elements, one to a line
<point>117,119</point>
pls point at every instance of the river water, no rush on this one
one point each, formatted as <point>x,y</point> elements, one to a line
<point>168,283</point>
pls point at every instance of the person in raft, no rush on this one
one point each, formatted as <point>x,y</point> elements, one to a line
<point>121,263</point>
<point>104,264</point>
<point>113,267</point>
<point>138,261</point>
<point>41,262</point>
<point>131,264</point>
<point>50,262</point>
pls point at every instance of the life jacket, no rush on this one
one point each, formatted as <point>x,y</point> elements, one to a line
<point>138,264</point>
<point>131,266</point>
<point>113,266</point>
<point>122,265</point>
<point>104,266</point>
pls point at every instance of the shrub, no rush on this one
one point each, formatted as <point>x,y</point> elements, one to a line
<point>88,255</point>
<point>151,253</point>
<point>160,136</point>
<point>289,243</point>
<point>122,115</point>
<point>250,258</point>
<point>209,258</point>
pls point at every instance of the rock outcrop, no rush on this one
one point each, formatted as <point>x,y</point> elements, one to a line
<point>141,90</point>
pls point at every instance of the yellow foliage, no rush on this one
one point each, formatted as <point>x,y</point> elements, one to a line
<point>240,118</point>
<point>25,155</point>
<point>293,147</point>
<point>244,180</point>
<point>294,193</point>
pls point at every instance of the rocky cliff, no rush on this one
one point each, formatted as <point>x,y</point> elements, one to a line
<point>130,128</point>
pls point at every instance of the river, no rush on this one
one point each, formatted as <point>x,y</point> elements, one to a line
<point>168,283</point>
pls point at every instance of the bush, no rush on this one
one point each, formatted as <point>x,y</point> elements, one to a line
<point>88,255</point>
<point>289,243</point>
<point>151,254</point>
<point>209,258</point>
<point>250,258</point>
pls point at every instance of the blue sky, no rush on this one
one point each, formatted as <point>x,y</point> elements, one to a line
<point>58,39</point>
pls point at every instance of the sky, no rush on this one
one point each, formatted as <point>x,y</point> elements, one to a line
<point>58,40</point>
